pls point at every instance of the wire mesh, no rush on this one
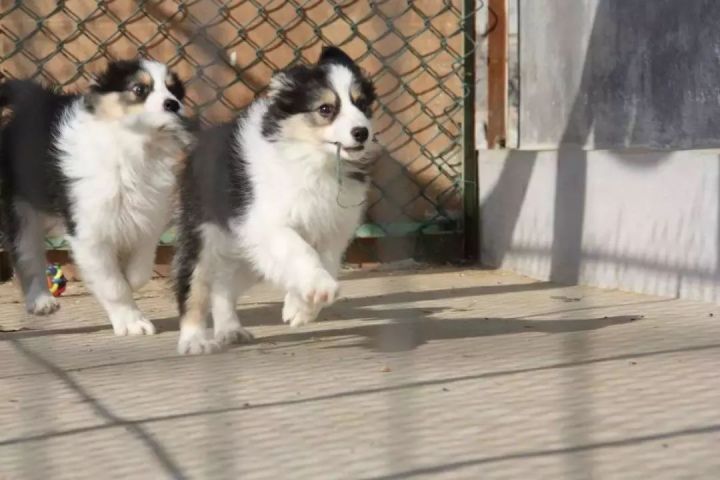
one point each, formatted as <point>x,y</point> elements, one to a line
<point>227,52</point>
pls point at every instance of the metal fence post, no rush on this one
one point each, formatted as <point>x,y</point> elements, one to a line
<point>471,206</point>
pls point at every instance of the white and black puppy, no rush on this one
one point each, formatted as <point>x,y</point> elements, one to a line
<point>103,166</point>
<point>277,194</point>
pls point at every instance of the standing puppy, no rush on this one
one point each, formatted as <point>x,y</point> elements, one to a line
<point>266,196</point>
<point>102,166</point>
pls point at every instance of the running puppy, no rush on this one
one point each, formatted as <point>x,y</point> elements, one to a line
<point>102,166</point>
<point>267,197</point>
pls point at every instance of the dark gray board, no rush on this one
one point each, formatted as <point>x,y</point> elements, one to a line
<point>619,73</point>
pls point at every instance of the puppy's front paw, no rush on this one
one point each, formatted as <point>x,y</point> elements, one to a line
<point>43,305</point>
<point>322,289</point>
<point>194,342</point>
<point>297,312</point>
<point>303,317</point>
<point>132,323</point>
<point>291,306</point>
<point>232,334</point>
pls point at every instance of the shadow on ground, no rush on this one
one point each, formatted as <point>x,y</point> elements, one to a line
<point>409,333</point>
<point>404,328</point>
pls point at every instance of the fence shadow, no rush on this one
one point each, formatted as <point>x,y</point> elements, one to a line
<point>618,104</point>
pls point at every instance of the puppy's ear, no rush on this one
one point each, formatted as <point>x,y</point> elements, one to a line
<point>115,76</point>
<point>278,83</point>
<point>287,79</point>
<point>334,55</point>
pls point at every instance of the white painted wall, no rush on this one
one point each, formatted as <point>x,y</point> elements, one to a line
<point>644,222</point>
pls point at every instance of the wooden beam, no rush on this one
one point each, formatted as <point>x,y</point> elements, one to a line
<point>497,73</point>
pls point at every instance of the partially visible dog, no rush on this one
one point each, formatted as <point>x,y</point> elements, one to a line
<point>276,194</point>
<point>101,165</point>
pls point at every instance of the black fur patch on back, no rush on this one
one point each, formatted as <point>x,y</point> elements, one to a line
<point>217,177</point>
<point>214,188</point>
<point>29,163</point>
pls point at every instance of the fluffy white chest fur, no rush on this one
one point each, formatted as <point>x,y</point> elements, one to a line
<point>121,179</point>
<point>299,186</point>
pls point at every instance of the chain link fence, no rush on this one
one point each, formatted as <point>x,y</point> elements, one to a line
<point>415,52</point>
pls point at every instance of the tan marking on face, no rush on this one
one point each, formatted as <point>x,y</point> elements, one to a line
<point>170,80</point>
<point>355,92</point>
<point>327,96</point>
<point>141,78</point>
<point>114,105</point>
<point>299,128</point>
<point>144,78</point>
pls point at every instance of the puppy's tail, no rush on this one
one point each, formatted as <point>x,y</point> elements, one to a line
<point>14,92</point>
<point>6,93</point>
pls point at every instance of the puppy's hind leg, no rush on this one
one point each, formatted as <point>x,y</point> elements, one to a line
<point>194,309</point>
<point>229,281</point>
<point>25,231</point>
<point>192,279</point>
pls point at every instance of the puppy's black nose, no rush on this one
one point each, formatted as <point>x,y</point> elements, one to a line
<point>171,105</point>
<point>360,134</point>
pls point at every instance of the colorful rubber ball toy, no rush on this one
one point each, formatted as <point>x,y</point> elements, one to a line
<point>56,280</point>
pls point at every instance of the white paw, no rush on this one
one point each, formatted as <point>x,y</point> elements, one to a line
<point>232,334</point>
<point>194,342</point>
<point>322,289</point>
<point>44,304</point>
<point>291,305</point>
<point>296,312</point>
<point>132,324</point>
<point>303,317</point>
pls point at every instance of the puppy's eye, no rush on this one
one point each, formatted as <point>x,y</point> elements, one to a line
<point>139,90</point>
<point>326,110</point>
